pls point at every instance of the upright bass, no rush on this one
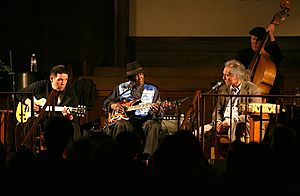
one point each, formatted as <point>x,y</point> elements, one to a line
<point>262,68</point>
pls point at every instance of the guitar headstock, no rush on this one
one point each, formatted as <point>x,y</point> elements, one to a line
<point>80,110</point>
<point>285,4</point>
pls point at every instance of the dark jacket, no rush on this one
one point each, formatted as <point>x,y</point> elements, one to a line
<point>43,88</point>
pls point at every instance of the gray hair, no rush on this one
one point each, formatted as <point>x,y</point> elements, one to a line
<point>238,70</point>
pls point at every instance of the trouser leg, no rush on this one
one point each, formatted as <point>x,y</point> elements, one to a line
<point>151,130</point>
<point>120,126</point>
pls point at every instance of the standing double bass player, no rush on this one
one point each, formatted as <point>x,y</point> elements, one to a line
<point>264,56</point>
<point>271,48</point>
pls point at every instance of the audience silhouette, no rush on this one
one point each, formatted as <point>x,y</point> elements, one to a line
<point>98,165</point>
<point>179,167</point>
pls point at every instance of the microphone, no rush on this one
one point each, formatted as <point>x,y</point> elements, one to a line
<point>216,86</point>
<point>129,86</point>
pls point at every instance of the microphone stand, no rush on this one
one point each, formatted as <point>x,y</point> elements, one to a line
<point>216,87</point>
<point>214,91</point>
<point>178,104</point>
<point>12,74</point>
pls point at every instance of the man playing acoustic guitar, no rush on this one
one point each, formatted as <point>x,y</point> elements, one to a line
<point>58,80</point>
<point>134,105</point>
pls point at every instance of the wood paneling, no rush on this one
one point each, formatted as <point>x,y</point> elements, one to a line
<point>181,65</point>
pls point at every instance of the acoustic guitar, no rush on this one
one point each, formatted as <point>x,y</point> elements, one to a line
<point>23,112</point>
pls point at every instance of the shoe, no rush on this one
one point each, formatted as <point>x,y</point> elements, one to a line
<point>144,156</point>
<point>144,159</point>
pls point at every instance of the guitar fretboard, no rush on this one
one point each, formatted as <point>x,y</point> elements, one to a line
<point>138,107</point>
<point>56,108</point>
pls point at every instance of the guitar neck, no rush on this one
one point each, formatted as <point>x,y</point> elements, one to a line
<point>56,108</point>
<point>139,107</point>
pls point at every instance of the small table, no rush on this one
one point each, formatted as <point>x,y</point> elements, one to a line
<point>259,117</point>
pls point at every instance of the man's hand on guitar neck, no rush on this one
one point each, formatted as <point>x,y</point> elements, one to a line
<point>155,108</point>
<point>67,113</point>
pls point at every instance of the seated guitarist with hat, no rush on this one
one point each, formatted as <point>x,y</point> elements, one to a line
<point>134,105</point>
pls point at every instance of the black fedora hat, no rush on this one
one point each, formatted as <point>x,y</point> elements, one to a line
<point>133,68</point>
<point>258,32</point>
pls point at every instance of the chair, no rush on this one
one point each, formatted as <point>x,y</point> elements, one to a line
<point>86,94</point>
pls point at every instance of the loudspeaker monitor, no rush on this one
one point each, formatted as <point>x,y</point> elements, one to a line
<point>170,124</point>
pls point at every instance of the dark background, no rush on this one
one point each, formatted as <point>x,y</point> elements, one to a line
<point>88,35</point>
<point>70,32</point>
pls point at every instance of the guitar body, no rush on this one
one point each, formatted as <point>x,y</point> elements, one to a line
<point>115,116</point>
<point>23,112</point>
